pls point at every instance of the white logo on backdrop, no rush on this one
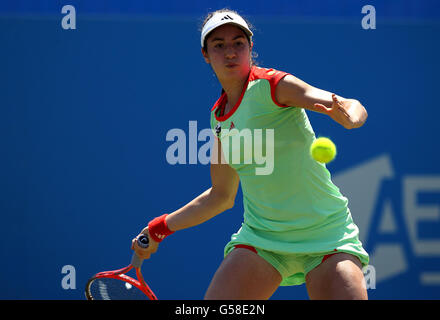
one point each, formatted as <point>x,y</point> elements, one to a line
<point>361,185</point>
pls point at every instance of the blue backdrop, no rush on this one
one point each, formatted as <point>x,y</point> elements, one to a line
<point>84,115</point>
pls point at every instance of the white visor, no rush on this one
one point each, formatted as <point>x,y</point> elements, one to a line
<point>221,18</point>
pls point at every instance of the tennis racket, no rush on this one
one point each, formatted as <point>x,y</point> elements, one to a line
<point>116,285</point>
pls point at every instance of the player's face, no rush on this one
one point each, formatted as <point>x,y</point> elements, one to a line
<point>228,52</point>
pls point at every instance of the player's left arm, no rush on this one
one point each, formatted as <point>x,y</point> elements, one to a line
<point>349,113</point>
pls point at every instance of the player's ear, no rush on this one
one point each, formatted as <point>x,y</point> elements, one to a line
<point>205,56</point>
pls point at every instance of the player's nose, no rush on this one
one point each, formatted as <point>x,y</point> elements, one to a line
<point>230,52</point>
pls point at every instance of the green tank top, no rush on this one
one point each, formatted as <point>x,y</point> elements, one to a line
<point>288,197</point>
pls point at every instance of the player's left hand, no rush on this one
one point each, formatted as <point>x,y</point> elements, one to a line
<point>343,111</point>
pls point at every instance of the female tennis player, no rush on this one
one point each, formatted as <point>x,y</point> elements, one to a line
<point>297,226</point>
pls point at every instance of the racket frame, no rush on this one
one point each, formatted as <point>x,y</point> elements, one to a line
<point>120,274</point>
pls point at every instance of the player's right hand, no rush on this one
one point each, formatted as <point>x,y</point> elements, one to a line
<point>144,253</point>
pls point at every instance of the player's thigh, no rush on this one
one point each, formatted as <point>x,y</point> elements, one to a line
<point>338,277</point>
<point>243,274</point>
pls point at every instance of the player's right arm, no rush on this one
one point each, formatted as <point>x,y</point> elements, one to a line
<point>217,199</point>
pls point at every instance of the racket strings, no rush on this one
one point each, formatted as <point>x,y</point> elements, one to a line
<point>114,289</point>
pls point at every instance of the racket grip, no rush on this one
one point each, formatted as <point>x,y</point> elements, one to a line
<point>142,242</point>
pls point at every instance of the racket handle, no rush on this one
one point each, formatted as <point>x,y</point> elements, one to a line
<point>142,242</point>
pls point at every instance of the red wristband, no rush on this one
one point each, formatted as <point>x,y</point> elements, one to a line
<point>158,228</point>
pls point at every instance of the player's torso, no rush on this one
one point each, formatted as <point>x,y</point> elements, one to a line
<point>268,145</point>
<point>257,134</point>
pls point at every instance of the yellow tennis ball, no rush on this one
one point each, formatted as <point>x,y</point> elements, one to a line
<point>323,150</point>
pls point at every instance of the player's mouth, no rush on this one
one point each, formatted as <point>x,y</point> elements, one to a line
<point>232,65</point>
